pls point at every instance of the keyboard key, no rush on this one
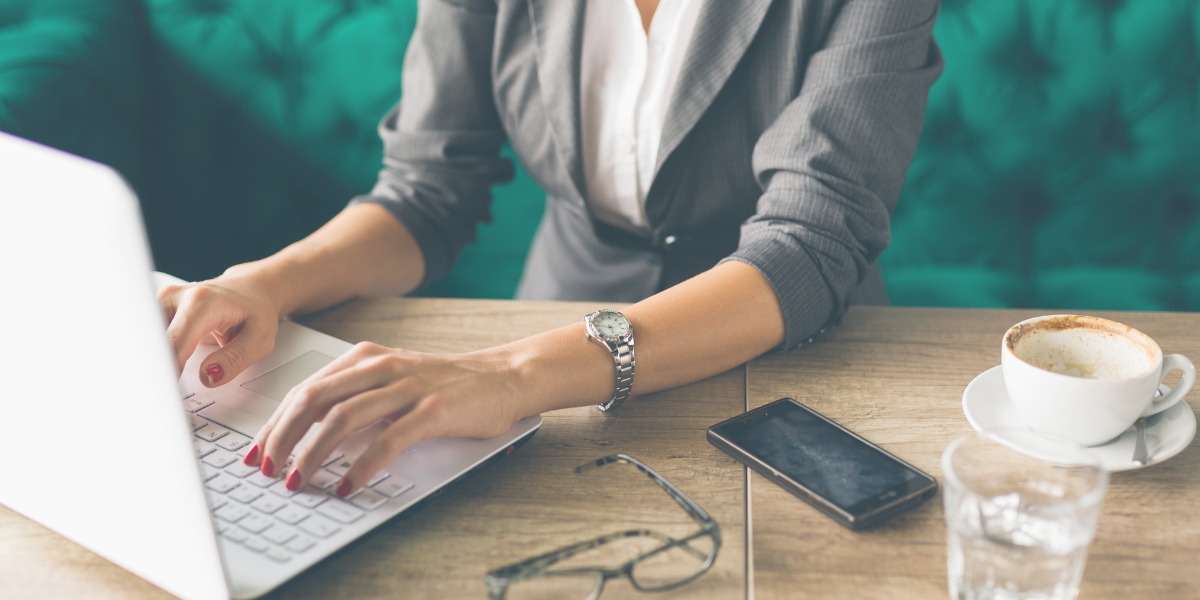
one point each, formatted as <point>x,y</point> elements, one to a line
<point>194,403</point>
<point>221,483</point>
<point>319,527</point>
<point>212,432</point>
<point>262,480</point>
<point>340,511</point>
<point>380,476</point>
<point>233,442</point>
<point>245,494</point>
<point>341,467</point>
<point>216,501</point>
<point>368,500</point>
<point>309,498</point>
<point>235,534</point>
<point>254,523</point>
<point>256,544</point>
<point>238,469</point>
<point>220,458</point>
<point>300,544</point>
<point>332,457</point>
<point>269,504</point>
<point>232,512</point>
<point>393,487</point>
<point>323,480</point>
<point>291,514</point>
<point>279,534</point>
<point>280,489</point>
<point>203,448</point>
<point>278,554</point>
<point>208,472</point>
<point>197,422</point>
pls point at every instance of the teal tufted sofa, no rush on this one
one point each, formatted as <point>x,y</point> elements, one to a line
<point>1059,167</point>
<point>1060,162</point>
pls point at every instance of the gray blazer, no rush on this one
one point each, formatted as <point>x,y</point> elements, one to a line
<point>785,145</point>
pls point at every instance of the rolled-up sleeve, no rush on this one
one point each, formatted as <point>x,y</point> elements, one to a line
<point>832,164</point>
<point>442,140</point>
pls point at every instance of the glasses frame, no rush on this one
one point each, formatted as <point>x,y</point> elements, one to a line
<point>499,580</point>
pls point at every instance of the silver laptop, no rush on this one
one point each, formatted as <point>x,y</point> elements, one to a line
<point>113,451</point>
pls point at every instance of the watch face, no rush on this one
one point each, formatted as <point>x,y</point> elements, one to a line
<point>611,325</point>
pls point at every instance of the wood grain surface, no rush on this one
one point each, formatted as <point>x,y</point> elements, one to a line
<point>527,504</point>
<point>896,376</point>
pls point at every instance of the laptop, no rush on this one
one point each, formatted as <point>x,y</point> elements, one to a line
<point>122,456</point>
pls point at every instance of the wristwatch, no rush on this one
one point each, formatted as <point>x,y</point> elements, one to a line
<point>613,330</point>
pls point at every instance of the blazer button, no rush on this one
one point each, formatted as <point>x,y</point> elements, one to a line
<point>669,241</point>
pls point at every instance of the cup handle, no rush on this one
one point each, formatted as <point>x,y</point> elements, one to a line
<point>1172,362</point>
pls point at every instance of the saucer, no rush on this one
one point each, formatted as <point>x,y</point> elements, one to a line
<point>989,410</point>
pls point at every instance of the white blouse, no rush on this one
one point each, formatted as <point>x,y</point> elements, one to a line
<point>627,80</point>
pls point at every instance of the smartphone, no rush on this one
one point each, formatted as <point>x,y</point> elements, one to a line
<point>851,480</point>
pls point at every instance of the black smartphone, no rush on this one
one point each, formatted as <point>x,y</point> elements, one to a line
<point>851,480</point>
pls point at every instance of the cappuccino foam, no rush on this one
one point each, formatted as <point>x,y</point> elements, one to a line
<point>1084,352</point>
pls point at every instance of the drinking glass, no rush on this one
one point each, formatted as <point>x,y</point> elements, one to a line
<point>1018,528</point>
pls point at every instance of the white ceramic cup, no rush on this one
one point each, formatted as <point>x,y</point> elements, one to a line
<point>1086,379</point>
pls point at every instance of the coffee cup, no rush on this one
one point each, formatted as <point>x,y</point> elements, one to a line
<point>1086,379</point>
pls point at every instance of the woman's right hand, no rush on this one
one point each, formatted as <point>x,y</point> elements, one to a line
<point>234,311</point>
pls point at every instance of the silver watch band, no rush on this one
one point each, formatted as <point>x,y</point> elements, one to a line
<point>624,361</point>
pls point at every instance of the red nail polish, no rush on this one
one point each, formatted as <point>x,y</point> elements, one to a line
<point>293,482</point>
<point>215,373</point>
<point>268,467</point>
<point>343,488</point>
<point>251,455</point>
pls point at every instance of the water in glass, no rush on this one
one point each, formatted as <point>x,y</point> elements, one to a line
<point>1017,529</point>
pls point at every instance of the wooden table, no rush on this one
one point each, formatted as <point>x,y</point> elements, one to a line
<point>527,504</point>
<point>894,375</point>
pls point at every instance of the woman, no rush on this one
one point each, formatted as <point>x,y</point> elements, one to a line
<point>729,167</point>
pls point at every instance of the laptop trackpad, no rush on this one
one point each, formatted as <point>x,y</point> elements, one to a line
<point>247,414</point>
<point>276,383</point>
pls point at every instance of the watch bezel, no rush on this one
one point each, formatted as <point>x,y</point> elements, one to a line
<point>596,333</point>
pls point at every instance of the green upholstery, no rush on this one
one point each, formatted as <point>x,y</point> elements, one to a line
<point>1059,167</point>
<point>243,124</point>
<point>69,77</point>
<point>1060,162</point>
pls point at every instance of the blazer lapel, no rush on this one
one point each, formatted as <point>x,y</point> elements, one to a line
<point>558,37</point>
<point>723,33</point>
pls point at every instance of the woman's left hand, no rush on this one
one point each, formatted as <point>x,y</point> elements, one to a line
<point>417,395</point>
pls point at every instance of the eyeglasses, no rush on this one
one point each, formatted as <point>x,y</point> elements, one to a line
<point>663,562</point>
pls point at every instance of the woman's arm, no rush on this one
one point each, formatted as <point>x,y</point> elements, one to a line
<point>696,329</point>
<point>363,250</point>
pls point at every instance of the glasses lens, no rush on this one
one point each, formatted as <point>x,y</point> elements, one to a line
<point>554,587</point>
<point>676,564</point>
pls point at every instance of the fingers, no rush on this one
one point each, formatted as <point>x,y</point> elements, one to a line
<point>254,457</point>
<point>417,424</point>
<point>168,299</point>
<point>193,318</point>
<point>342,420</point>
<point>252,344</point>
<point>310,402</point>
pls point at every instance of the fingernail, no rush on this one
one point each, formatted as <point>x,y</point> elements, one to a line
<point>343,488</point>
<point>215,373</point>
<point>268,467</point>
<point>251,455</point>
<point>293,482</point>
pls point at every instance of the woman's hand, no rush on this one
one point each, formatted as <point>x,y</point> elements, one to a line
<point>417,395</point>
<point>233,311</point>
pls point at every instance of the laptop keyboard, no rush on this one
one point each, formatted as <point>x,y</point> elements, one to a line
<point>261,514</point>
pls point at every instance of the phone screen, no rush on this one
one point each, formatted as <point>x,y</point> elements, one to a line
<point>823,458</point>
